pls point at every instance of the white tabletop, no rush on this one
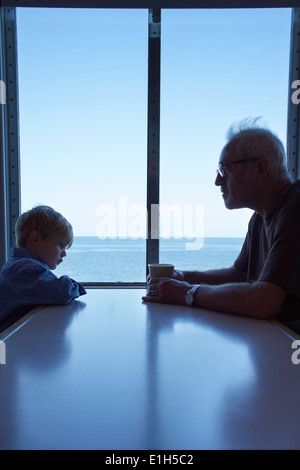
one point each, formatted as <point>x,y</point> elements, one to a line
<point>111,372</point>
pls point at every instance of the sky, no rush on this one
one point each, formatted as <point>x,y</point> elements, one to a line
<point>83,111</point>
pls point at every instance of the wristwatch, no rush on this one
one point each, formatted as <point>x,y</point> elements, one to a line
<point>189,296</point>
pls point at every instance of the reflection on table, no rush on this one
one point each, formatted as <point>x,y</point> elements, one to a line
<point>112,372</point>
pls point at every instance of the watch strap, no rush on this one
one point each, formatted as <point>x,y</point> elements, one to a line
<point>191,293</point>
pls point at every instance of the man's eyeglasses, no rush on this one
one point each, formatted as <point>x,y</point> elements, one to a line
<point>222,166</point>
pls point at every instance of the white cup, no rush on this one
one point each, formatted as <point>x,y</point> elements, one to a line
<point>161,270</point>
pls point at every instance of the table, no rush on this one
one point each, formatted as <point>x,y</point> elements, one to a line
<point>112,372</point>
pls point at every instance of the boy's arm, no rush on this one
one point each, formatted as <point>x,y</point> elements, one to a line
<point>41,286</point>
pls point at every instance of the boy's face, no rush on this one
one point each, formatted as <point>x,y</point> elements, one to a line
<point>50,251</point>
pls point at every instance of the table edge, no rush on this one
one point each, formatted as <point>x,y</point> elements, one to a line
<point>5,334</point>
<point>285,330</point>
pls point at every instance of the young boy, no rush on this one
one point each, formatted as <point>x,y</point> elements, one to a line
<point>26,280</point>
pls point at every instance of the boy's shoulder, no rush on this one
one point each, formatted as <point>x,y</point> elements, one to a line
<point>20,262</point>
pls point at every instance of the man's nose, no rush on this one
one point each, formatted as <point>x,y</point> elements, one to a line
<point>219,181</point>
<point>63,253</point>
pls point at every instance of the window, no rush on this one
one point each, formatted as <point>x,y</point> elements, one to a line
<point>83,132</point>
<point>218,66</point>
<point>83,83</point>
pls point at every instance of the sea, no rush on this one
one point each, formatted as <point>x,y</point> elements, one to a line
<point>91,259</point>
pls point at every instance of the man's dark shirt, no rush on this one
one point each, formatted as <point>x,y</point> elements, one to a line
<point>271,251</point>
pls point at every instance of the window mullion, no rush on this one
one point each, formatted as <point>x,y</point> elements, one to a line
<point>293,131</point>
<point>153,135</point>
<point>10,131</point>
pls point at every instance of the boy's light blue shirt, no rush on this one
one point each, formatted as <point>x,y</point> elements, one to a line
<point>26,283</point>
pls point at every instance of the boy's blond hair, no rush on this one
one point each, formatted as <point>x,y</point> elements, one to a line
<point>47,222</point>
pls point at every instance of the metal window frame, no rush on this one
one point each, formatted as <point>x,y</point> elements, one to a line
<point>9,120</point>
<point>9,126</point>
<point>153,143</point>
<point>156,4</point>
<point>293,125</point>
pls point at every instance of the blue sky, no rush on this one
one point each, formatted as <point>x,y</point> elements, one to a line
<point>83,106</point>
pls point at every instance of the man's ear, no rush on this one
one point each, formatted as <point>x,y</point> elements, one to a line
<point>34,237</point>
<point>262,167</point>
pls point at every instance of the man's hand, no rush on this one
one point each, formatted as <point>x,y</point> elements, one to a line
<point>178,275</point>
<point>165,290</point>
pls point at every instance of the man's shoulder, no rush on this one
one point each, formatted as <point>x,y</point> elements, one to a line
<point>292,200</point>
<point>297,184</point>
<point>294,193</point>
<point>286,217</point>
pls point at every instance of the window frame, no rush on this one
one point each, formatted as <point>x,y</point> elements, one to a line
<point>9,120</point>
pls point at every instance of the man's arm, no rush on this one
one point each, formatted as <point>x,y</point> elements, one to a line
<point>211,277</point>
<point>258,300</point>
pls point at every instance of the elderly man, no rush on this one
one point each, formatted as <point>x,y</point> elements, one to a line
<point>264,281</point>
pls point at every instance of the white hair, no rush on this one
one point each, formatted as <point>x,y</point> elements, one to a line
<point>250,139</point>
